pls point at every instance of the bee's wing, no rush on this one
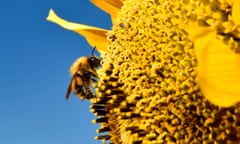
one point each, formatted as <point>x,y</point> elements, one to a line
<point>69,89</point>
<point>76,80</point>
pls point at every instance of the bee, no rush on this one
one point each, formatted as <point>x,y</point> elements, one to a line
<point>83,72</point>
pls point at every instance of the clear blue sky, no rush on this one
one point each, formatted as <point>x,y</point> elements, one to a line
<point>35,58</point>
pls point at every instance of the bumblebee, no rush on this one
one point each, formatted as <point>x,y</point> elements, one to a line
<point>83,72</point>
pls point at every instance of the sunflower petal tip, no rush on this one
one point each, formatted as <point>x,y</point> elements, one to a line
<point>51,14</point>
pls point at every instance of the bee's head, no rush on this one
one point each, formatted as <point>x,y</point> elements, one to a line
<point>94,62</point>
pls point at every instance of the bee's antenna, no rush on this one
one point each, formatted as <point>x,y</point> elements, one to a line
<point>93,51</point>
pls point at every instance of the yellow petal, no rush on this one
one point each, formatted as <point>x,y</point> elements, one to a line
<point>236,12</point>
<point>96,37</point>
<point>218,68</point>
<point>109,6</point>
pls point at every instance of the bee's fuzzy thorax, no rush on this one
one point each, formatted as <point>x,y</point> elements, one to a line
<point>78,65</point>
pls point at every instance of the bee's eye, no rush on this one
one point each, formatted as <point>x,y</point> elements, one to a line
<point>92,59</point>
<point>94,62</point>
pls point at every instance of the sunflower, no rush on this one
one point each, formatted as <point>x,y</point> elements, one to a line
<point>170,72</point>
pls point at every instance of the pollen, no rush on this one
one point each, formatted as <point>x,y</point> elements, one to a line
<point>148,84</point>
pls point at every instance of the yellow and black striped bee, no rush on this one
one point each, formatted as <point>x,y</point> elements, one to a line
<point>83,72</point>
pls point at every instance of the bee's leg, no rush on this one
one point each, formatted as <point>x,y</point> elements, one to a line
<point>79,92</point>
<point>78,88</point>
<point>94,77</point>
<point>89,93</point>
<point>94,80</point>
<point>94,73</point>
